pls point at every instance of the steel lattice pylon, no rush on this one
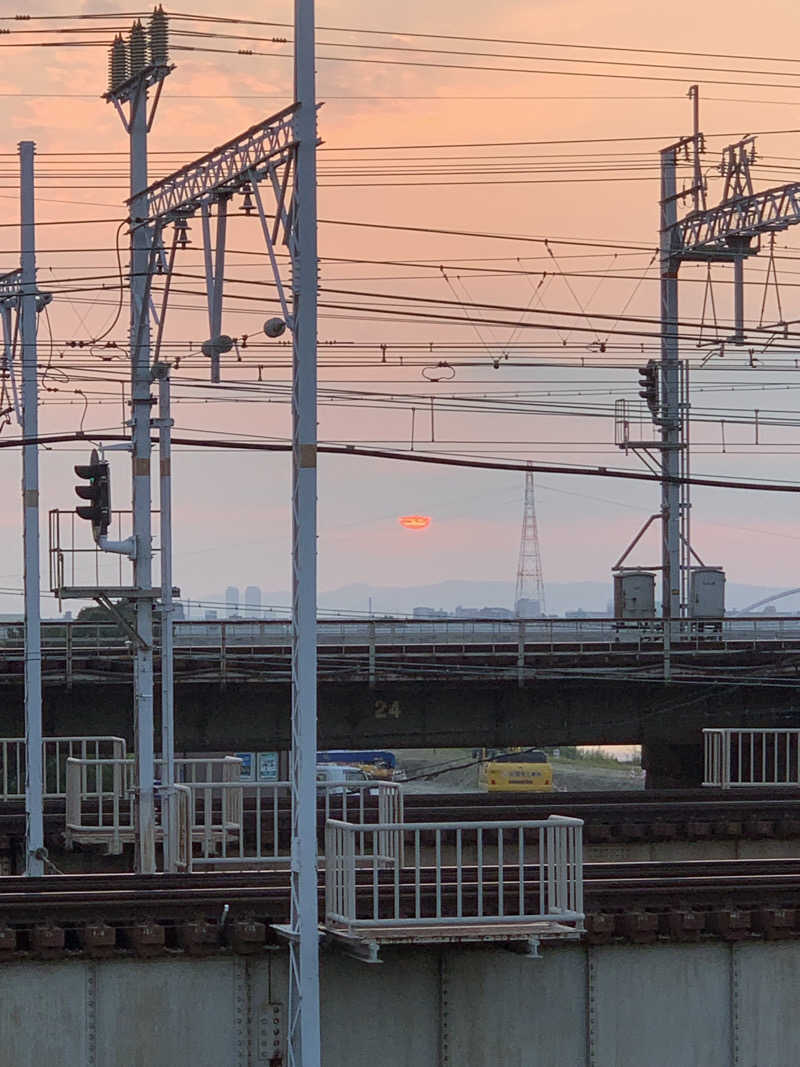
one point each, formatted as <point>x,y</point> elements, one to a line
<point>529,594</point>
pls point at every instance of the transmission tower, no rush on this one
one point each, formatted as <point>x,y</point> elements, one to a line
<point>529,595</point>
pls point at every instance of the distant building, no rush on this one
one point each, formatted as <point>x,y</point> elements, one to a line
<point>232,600</point>
<point>483,613</point>
<point>252,600</point>
<point>528,608</point>
<point>210,615</point>
<point>429,613</point>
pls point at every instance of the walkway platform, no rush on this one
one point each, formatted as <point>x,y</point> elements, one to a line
<point>524,937</point>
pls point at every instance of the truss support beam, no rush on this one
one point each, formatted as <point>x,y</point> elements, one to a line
<point>10,285</point>
<point>716,234</point>
<point>224,169</point>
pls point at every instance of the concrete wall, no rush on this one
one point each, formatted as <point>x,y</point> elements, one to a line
<point>705,1005</point>
<point>426,714</point>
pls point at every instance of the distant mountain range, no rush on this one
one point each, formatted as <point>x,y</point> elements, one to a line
<point>447,596</point>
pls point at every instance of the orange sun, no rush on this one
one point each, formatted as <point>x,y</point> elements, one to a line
<point>415,522</point>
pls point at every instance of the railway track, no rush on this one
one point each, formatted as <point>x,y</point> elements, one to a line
<point>100,915</point>
<point>615,818</point>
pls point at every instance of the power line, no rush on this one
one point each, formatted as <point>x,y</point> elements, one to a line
<point>418,457</point>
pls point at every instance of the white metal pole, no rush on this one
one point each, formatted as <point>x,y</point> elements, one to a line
<point>34,832</point>
<point>141,406</point>
<point>167,677</point>
<point>304,1010</point>
<point>671,435</point>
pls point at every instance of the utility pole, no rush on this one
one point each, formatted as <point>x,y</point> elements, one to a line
<point>34,835</point>
<point>304,1009</point>
<point>671,435</point>
<point>141,404</point>
<point>169,814</point>
<point>133,69</point>
<point>278,154</point>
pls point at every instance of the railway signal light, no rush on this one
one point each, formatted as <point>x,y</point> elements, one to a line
<point>98,492</point>
<point>648,386</point>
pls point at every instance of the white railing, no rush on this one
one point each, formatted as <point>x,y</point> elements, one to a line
<point>55,753</point>
<point>101,803</point>
<point>479,873</point>
<point>757,757</point>
<point>249,823</point>
<point>219,820</point>
<point>203,770</point>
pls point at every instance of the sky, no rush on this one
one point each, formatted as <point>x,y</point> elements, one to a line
<point>413,145</point>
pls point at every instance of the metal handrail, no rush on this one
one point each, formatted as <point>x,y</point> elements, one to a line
<point>101,808</point>
<point>759,757</point>
<point>73,649</point>
<point>97,636</point>
<point>55,752</point>
<point>549,871</point>
<point>218,818</point>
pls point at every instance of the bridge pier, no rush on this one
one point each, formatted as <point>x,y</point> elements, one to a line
<point>672,764</point>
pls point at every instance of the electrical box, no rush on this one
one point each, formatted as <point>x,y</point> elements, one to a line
<point>634,595</point>
<point>707,593</point>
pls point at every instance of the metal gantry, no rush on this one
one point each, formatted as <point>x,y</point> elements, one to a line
<point>728,232</point>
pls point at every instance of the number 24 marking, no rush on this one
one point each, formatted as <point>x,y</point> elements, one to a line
<point>385,710</point>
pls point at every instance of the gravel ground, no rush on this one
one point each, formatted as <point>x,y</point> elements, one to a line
<point>456,772</point>
<point>575,776</point>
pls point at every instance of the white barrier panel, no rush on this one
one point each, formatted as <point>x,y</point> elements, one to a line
<point>248,824</point>
<point>758,757</point>
<point>478,873</point>
<point>55,753</point>
<point>101,803</point>
<point>219,820</point>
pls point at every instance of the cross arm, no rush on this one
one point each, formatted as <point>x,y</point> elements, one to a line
<point>10,284</point>
<point>719,232</point>
<point>226,168</point>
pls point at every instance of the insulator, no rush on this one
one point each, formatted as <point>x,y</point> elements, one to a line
<point>247,203</point>
<point>117,63</point>
<point>159,41</point>
<point>274,327</point>
<point>182,227</point>
<point>138,48</point>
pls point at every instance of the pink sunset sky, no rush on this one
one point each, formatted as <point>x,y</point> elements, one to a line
<point>232,512</point>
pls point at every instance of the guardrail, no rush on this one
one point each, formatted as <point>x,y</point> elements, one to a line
<point>220,821</point>
<point>60,636</point>
<point>243,649</point>
<point>55,753</point>
<point>240,824</point>
<point>751,757</point>
<point>101,803</point>
<point>109,785</point>
<point>497,873</point>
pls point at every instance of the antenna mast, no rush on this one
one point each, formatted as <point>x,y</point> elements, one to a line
<point>529,595</point>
